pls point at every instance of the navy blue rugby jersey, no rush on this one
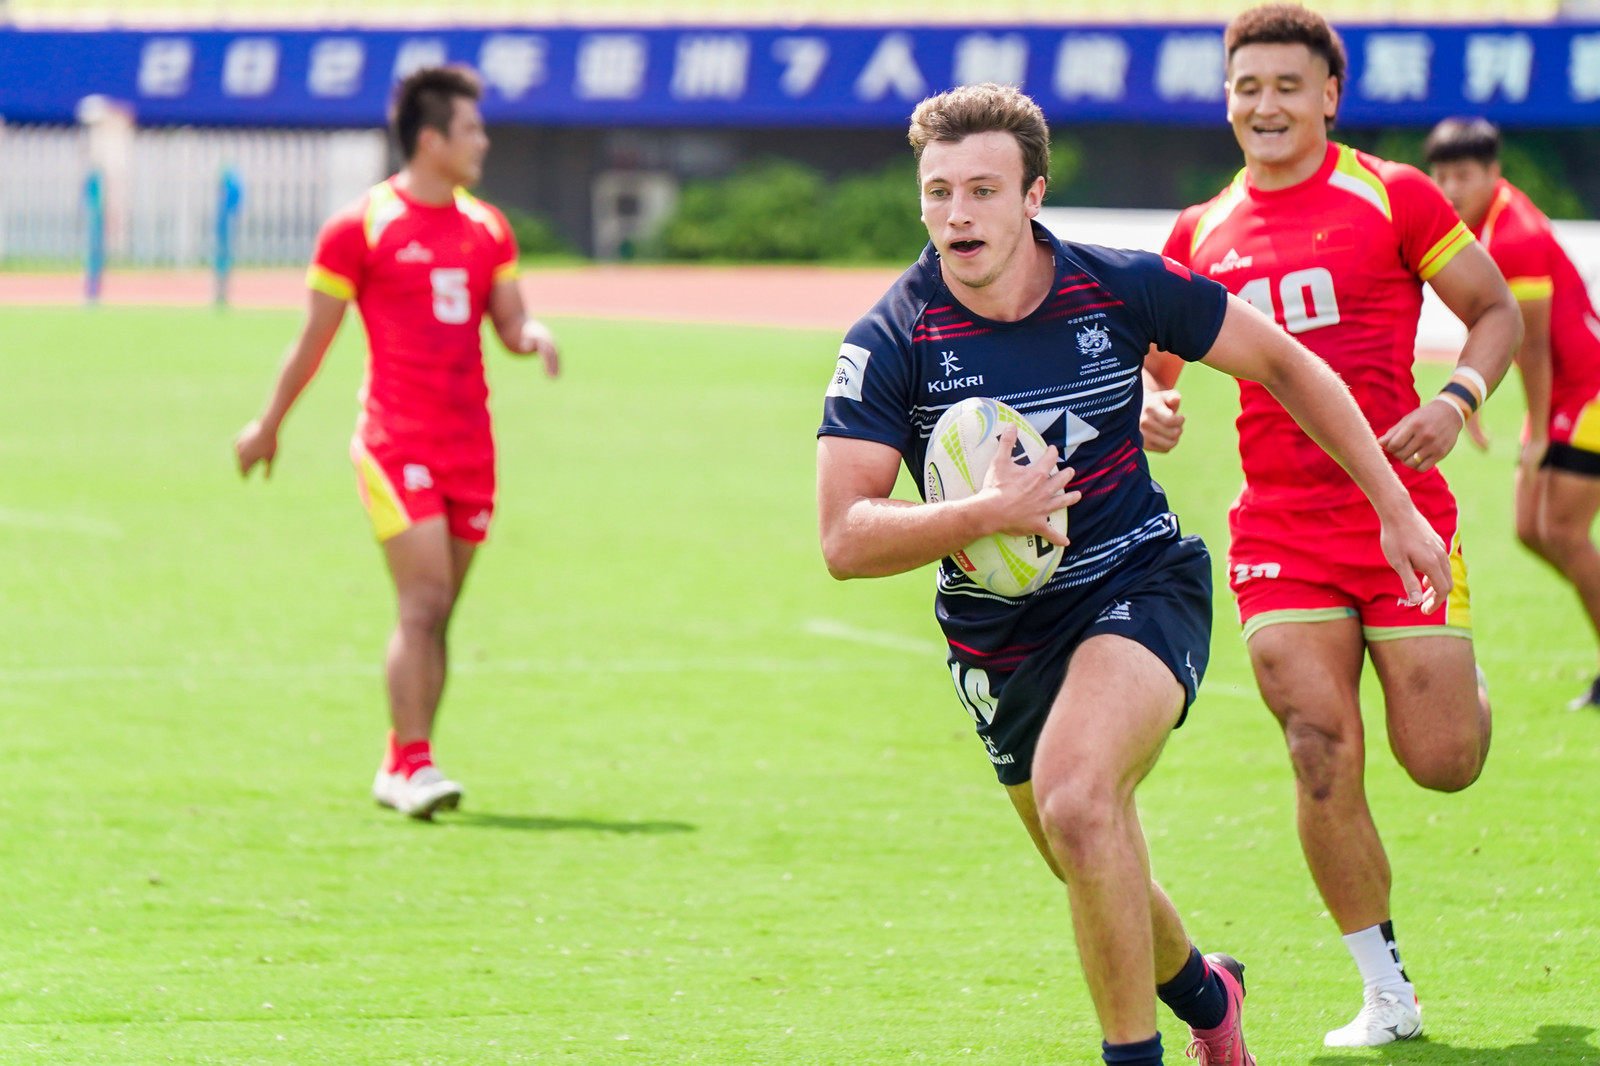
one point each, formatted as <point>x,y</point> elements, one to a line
<point>1072,368</point>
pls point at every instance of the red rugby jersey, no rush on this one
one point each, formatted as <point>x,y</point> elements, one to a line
<point>1338,261</point>
<point>421,275</point>
<point>1524,247</point>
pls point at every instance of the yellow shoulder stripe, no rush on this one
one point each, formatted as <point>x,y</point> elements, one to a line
<point>476,210</point>
<point>324,280</point>
<point>1354,178</point>
<point>1532,288</point>
<point>506,271</point>
<point>1217,213</point>
<point>1446,249</point>
<point>383,207</point>
<point>1502,198</point>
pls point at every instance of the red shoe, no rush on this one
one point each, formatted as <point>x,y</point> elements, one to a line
<point>1224,1045</point>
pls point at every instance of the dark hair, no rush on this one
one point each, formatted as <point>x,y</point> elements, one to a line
<point>1455,139</point>
<point>986,108</point>
<point>1288,24</point>
<point>426,99</point>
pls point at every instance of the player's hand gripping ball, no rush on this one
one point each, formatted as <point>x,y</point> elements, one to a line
<point>964,443</point>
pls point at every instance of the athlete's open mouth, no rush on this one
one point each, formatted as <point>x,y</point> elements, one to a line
<point>965,247</point>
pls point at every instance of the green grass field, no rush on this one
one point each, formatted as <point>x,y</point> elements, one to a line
<point>719,807</point>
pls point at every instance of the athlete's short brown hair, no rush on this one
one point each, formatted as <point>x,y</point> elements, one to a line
<point>1288,24</point>
<point>986,108</point>
<point>426,100</point>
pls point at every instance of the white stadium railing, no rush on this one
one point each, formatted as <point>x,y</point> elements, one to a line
<point>42,173</point>
<point>162,191</point>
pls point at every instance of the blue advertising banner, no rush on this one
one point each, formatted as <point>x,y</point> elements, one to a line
<point>1544,75</point>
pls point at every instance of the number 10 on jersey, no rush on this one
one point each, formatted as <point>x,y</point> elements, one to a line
<point>1306,299</point>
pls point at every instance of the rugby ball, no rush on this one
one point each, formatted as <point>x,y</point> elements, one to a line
<point>964,443</point>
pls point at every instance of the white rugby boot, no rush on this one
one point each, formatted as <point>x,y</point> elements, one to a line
<point>424,792</point>
<point>386,786</point>
<point>1384,1018</point>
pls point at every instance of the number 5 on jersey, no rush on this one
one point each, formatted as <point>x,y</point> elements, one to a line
<point>1306,300</point>
<point>452,301</point>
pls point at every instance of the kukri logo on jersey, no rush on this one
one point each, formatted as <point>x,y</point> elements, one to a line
<point>949,363</point>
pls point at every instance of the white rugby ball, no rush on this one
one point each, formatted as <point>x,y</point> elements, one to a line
<point>964,443</point>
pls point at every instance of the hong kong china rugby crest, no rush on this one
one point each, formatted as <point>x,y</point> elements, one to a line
<point>1093,340</point>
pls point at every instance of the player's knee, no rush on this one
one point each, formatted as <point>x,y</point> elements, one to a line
<point>1563,542</point>
<point>1449,766</point>
<point>1075,813</point>
<point>1321,757</point>
<point>426,608</point>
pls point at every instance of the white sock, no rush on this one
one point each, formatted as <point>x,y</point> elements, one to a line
<point>1378,959</point>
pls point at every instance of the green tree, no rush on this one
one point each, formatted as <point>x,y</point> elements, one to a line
<point>535,235</point>
<point>874,216</point>
<point>767,210</point>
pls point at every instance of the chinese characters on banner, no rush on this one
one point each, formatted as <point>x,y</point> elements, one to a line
<point>1544,75</point>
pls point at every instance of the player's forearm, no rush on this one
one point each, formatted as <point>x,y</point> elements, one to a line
<point>1534,363</point>
<point>300,365</point>
<point>510,328</point>
<point>880,537</point>
<point>300,362</point>
<point>509,316</point>
<point>1492,339</point>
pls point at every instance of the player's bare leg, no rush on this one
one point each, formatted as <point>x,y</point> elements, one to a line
<point>1175,974</point>
<point>1557,512</point>
<point>1439,726</point>
<point>1529,502</point>
<point>462,552</point>
<point>1170,944</point>
<point>428,567</point>
<point>1309,674</point>
<point>1080,811</point>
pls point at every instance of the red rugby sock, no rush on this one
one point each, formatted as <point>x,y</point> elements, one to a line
<point>409,758</point>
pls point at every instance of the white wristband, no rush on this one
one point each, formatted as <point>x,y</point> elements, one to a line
<point>1475,378</point>
<point>1442,398</point>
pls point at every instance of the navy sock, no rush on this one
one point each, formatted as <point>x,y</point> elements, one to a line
<point>1387,927</point>
<point>1196,995</point>
<point>1142,1053</point>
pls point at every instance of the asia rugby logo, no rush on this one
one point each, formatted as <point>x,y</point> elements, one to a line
<point>849,372</point>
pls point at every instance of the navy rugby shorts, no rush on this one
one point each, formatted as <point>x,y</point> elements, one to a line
<point>1162,600</point>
